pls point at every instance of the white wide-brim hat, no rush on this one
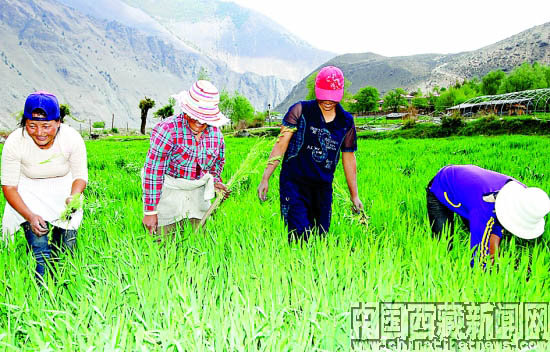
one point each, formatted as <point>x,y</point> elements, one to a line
<point>200,102</point>
<point>521,210</point>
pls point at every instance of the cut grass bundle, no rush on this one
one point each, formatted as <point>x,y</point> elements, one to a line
<point>342,196</point>
<point>248,167</point>
<point>75,204</point>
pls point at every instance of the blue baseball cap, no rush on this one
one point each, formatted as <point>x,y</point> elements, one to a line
<point>42,100</point>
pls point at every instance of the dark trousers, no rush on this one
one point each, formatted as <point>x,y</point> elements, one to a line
<point>305,208</point>
<point>440,216</point>
<point>44,250</point>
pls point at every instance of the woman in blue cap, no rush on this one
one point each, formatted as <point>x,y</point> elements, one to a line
<point>43,167</point>
<point>487,201</point>
<point>313,135</point>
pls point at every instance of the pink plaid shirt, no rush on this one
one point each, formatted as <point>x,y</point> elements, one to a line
<point>175,152</point>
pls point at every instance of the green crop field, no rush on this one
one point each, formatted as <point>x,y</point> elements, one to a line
<point>239,285</point>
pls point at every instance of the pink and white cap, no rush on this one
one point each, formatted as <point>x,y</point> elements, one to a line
<point>329,84</point>
<point>200,102</point>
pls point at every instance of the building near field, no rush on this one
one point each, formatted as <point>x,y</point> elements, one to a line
<point>528,102</point>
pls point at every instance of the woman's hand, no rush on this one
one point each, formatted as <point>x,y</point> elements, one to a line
<point>357,205</point>
<point>263,187</point>
<point>150,222</point>
<point>220,187</point>
<point>38,225</point>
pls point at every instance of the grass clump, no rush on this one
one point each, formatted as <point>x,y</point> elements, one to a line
<point>75,204</point>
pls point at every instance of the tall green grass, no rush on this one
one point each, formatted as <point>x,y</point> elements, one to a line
<point>239,285</point>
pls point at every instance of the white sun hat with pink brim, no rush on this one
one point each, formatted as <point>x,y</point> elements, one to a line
<point>201,102</point>
<point>521,210</point>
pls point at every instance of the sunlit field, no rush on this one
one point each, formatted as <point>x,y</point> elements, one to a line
<point>238,285</point>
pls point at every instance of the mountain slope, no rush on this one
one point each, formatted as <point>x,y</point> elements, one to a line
<point>102,67</point>
<point>430,70</point>
<point>245,40</point>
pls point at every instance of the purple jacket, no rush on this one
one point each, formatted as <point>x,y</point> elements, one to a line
<point>461,188</point>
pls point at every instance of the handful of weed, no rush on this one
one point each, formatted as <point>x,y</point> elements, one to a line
<point>361,218</point>
<point>248,167</point>
<point>72,207</point>
<point>355,217</point>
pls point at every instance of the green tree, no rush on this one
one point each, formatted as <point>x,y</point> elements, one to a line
<point>64,110</point>
<point>259,119</point>
<point>145,105</point>
<point>524,77</point>
<point>491,82</point>
<point>226,104</point>
<point>394,99</point>
<point>366,99</point>
<point>242,108</point>
<point>474,84</point>
<point>546,72</point>
<point>166,110</point>
<point>432,100</point>
<point>446,100</point>
<point>420,102</point>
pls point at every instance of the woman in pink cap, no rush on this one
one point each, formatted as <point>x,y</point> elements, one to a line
<point>43,167</point>
<point>313,135</point>
<point>185,161</point>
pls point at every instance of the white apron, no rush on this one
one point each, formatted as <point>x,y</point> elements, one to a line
<point>184,199</point>
<point>45,197</point>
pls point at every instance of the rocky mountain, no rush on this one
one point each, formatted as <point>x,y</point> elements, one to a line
<point>245,40</point>
<point>430,70</point>
<point>102,67</point>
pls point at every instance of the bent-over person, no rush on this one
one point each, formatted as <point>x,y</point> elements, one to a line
<point>488,202</point>
<point>43,167</point>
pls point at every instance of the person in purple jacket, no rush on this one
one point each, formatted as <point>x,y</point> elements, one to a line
<point>487,201</point>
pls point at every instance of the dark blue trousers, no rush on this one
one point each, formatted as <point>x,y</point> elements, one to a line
<point>45,250</point>
<point>305,207</point>
<point>441,216</point>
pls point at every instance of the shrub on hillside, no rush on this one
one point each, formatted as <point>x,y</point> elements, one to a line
<point>98,124</point>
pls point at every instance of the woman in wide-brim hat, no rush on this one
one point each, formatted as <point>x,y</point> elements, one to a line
<point>488,202</point>
<point>185,160</point>
<point>43,167</point>
<point>314,135</point>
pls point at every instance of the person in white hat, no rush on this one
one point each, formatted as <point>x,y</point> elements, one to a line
<point>487,201</point>
<point>185,160</point>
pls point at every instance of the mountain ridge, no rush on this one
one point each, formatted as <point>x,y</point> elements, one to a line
<point>102,67</point>
<point>425,71</point>
<point>244,39</point>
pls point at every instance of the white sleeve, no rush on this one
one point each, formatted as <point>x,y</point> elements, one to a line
<point>78,158</point>
<point>11,159</point>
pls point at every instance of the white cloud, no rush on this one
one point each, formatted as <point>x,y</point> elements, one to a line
<point>394,28</point>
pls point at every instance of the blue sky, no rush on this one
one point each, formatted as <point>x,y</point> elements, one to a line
<point>397,27</point>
